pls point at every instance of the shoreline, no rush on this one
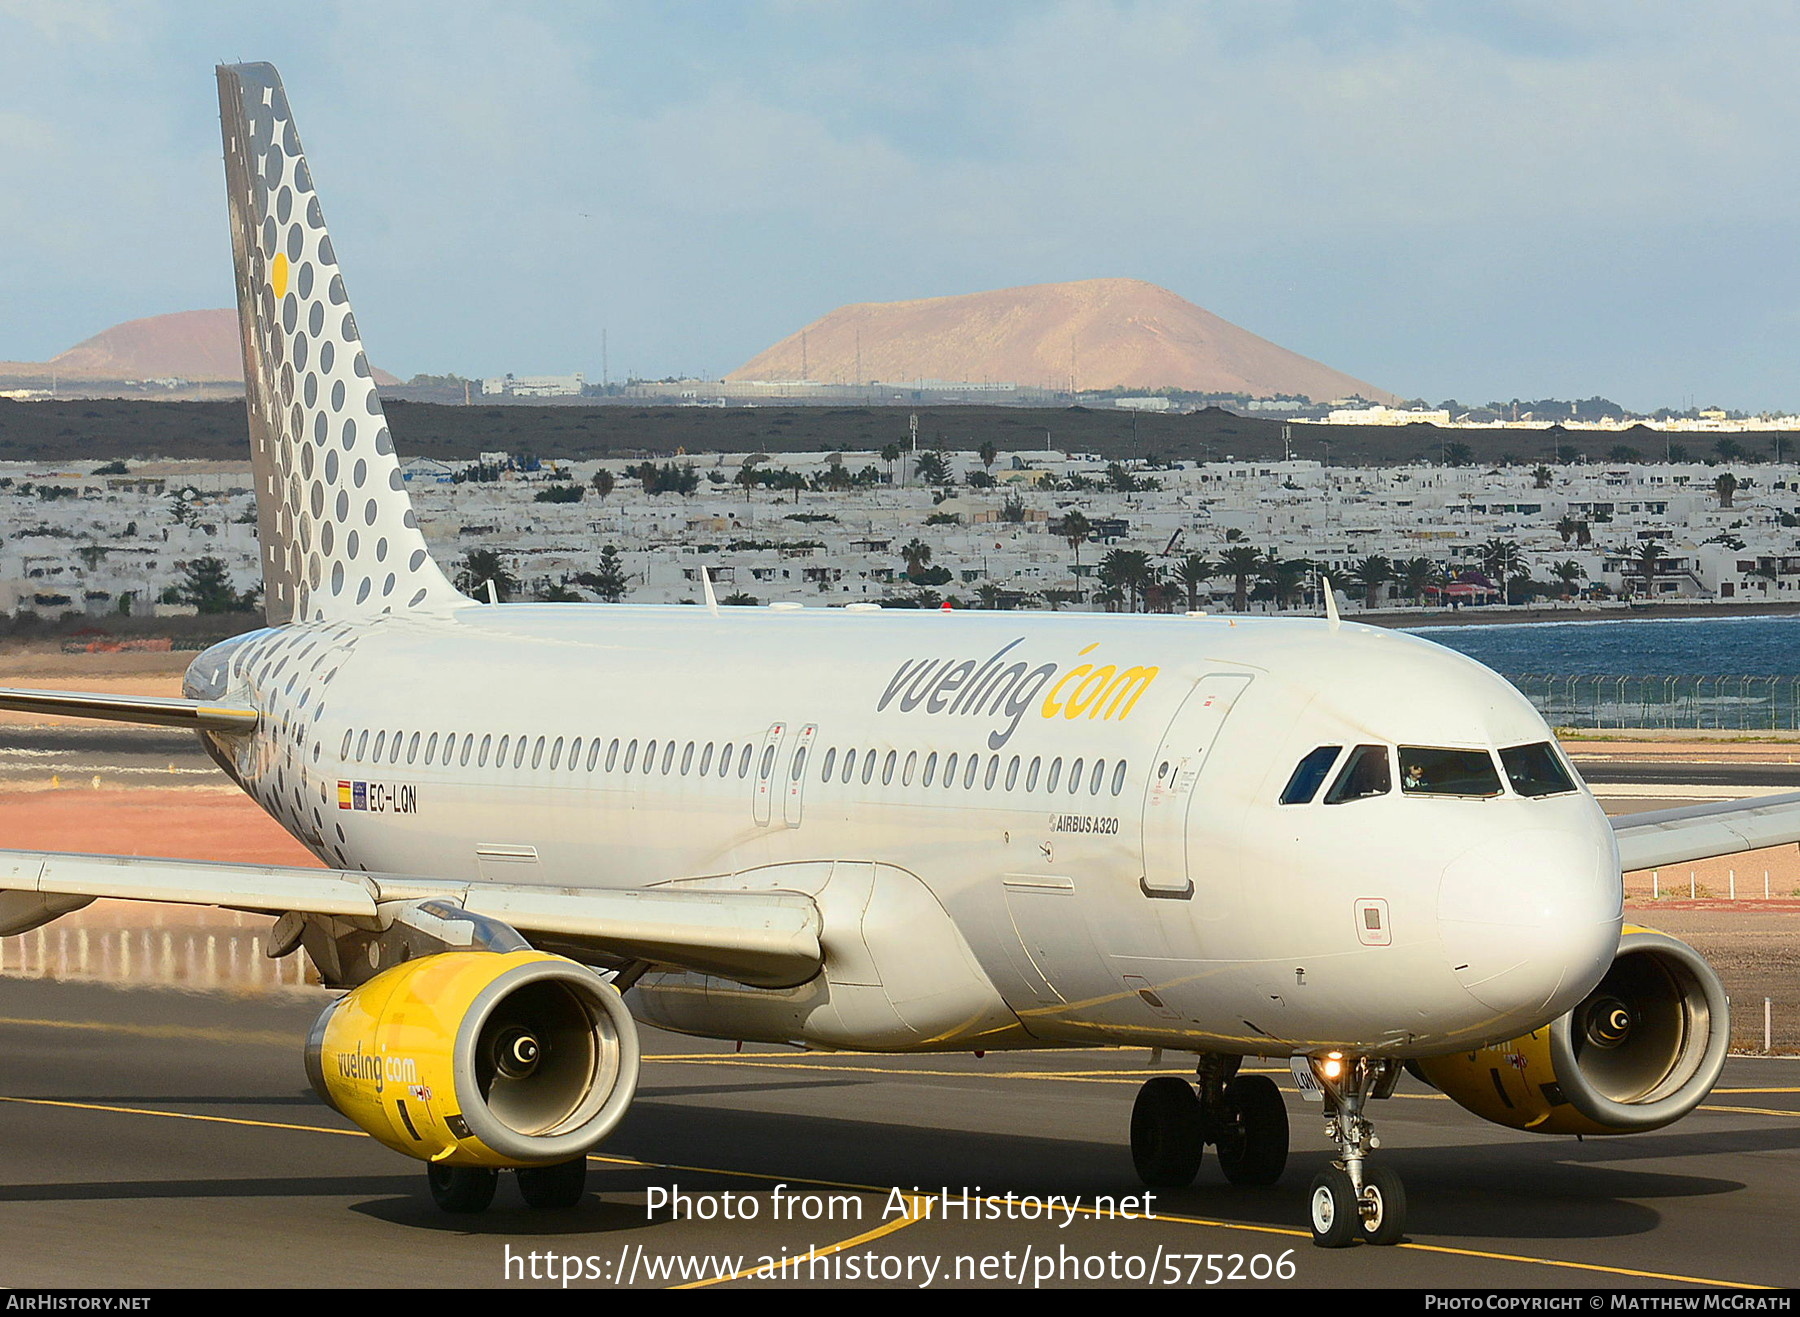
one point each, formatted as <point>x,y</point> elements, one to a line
<point>1515,614</point>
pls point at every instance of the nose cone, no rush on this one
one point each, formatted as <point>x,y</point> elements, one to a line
<point>1531,922</point>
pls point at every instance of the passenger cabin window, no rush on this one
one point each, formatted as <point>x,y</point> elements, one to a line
<point>1426,771</point>
<point>1308,775</point>
<point>1535,770</point>
<point>1365,774</point>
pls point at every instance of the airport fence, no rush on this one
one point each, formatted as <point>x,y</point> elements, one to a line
<point>199,959</point>
<point>1676,701</point>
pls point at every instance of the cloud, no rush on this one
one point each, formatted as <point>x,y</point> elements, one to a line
<point>1438,197</point>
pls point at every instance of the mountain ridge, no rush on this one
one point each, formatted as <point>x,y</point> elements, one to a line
<point>1090,334</point>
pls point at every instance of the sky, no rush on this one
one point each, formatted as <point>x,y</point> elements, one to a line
<point>1446,200</point>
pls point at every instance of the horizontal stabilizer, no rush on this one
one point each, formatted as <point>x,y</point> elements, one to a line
<point>1700,832</point>
<point>151,710</point>
<point>765,938</point>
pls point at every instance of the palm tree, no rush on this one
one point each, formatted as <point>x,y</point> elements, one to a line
<point>890,453</point>
<point>1372,573</point>
<point>1542,476</point>
<point>1648,554</point>
<point>1286,578</point>
<point>1191,573</point>
<point>1415,574</point>
<point>933,467</point>
<point>481,566</point>
<point>1725,487</point>
<point>918,556</point>
<point>1569,572</point>
<point>1567,528</point>
<point>1240,564</point>
<point>1501,559</point>
<point>747,476</point>
<point>1128,569</point>
<point>1074,530</point>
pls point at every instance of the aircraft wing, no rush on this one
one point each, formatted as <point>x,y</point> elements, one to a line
<point>154,710</point>
<point>763,938</point>
<point>1699,832</point>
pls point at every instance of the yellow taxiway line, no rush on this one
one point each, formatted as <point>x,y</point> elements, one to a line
<point>912,1217</point>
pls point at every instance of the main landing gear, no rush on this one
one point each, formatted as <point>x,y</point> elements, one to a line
<point>1354,1199</point>
<point>465,1190</point>
<point>1242,1116</point>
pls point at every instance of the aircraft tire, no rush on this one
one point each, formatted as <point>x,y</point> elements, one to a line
<point>1383,1219</point>
<point>554,1188</point>
<point>463,1190</point>
<point>1253,1148</point>
<point>1166,1142</point>
<point>1332,1210</point>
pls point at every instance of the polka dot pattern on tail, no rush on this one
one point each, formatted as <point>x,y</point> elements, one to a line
<point>308,383</point>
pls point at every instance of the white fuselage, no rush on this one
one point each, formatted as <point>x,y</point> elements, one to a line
<point>917,774</point>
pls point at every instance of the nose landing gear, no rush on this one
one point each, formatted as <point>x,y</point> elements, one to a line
<point>1243,1116</point>
<point>1353,1198</point>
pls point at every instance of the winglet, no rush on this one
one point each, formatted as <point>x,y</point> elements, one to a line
<point>712,600</point>
<point>1332,619</point>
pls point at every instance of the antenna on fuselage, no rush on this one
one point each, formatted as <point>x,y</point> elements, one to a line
<point>492,597</point>
<point>712,600</point>
<point>1332,619</point>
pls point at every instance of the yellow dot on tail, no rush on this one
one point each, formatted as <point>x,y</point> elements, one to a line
<point>278,273</point>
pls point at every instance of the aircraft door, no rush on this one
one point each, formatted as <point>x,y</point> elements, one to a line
<point>796,774</point>
<point>1173,774</point>
<point>766,759</point>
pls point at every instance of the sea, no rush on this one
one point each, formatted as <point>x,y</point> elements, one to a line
<point>1702,646</point>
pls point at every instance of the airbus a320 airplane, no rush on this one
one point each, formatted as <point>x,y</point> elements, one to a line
<point>886,831</point>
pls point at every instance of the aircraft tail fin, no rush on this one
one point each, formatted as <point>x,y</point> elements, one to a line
<point>337,530</point>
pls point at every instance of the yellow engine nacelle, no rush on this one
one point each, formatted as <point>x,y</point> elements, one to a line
<point>479,1058</point>
<point>1642,1050</point>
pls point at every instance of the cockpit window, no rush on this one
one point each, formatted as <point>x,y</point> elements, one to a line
<point>1309,774</point>
<point>1365,774</point>
<point>1425,771</point>
<point>1535,770</point>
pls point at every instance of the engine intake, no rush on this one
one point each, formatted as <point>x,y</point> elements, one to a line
<point>1642,1050</point>
<point>478,1058</point>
